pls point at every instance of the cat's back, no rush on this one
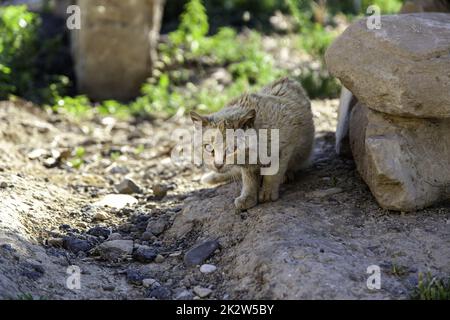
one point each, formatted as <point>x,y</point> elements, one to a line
<point>288,89</point>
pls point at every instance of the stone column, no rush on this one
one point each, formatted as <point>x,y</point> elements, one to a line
<point>116,46</point>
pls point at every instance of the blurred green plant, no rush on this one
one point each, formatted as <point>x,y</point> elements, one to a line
<point>386,6</point>
<point>26,58</point>
<point>78,158</point>
<point>182,79</point>
<point>18,29</point>
<point>431,288</point>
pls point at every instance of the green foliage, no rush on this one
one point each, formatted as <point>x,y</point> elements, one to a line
<point>18,28</point>
<point>431,288</point>
<point>193,26</point>
<point>317,39</point>
<point>314,37</point>
<point>319,83</point>
<point>78,158</point>
<point>78,105</point>
<point>187,58</point>
<point>29,296</point>
<point>25,58</point>
<point>190,46</point>
<point>386,6</point>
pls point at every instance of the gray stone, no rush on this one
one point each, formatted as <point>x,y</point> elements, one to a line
<point>115,249</point>
<point>401,68</point>
<point>98,231</point>
<point>184,295</point>
<point>404,161</point>
<point>115,236</point>
<point>200,253</point>
<point>127,186</point>
<point>134,276</point>
<point>202,292</point>
<point>77,245</point>
<point>147,235</point>
<point>145,254</point>
<point>159,258</point>
<point>160,293</point>
<point>157,227</point>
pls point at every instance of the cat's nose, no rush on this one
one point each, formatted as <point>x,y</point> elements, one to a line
<point>218,165</point>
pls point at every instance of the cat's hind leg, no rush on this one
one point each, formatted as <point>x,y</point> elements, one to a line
<point>270,189</point>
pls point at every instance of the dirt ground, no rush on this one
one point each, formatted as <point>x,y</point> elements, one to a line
<point>316,242</point>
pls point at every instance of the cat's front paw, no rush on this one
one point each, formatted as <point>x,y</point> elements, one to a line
<point>245,202</point>
<point>268,194</point>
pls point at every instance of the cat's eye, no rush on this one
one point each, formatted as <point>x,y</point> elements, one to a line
<point>208,148</point>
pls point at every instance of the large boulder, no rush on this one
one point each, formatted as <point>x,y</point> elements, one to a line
<point>115,47</point>
<point>404,161</point>
<point>401,69</point>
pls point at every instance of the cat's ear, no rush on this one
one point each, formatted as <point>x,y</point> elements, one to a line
<point>247,119</point>
<point>196,118</point>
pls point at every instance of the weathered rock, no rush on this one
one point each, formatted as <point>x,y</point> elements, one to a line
<point>116,249</point>
<point>404,161</point>
<point>115,236</point>
<point>127,186</point>
<point>100,216</point>
<point>184,295</point>
<point>202,292</point>
<point>400,69</point>
<point>157,227</point>
<point>98,231</point>
<point>145,254</point>
<point>115,47</point>
<point>134,276</point>
<point>32,271</point>
<point>159,258</point>
<point>200,253</point>
<point>76,245</point>
<point>147,235</point>
<point>118,170</point>
<point>160,293</point>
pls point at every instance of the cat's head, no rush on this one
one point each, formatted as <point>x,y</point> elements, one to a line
<point>215,145</point>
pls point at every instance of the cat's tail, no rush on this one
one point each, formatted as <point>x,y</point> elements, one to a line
<point>215,178</point>
<point>346,104</point>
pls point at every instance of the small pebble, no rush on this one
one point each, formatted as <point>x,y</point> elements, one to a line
<point>208,268</point>
<point>202,292</point>
<point>100,216</point>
